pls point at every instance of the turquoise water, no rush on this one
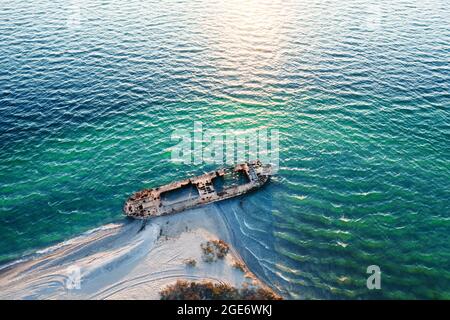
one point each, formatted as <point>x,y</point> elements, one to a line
<point>90,92</point>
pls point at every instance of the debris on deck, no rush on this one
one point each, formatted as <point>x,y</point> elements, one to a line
<point>214,186</point>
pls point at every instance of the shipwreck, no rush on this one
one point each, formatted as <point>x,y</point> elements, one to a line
<point>210,187</point>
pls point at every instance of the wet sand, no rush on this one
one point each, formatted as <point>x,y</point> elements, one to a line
<point>127,261</point>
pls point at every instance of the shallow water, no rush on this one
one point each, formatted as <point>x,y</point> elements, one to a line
<point>90,92</point>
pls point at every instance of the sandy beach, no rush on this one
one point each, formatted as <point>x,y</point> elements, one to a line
<point>127,260</point>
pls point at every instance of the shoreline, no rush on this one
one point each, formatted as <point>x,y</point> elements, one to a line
<point>127,261</point>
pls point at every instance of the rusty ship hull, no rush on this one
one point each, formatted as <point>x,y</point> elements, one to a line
<point>193,192</point>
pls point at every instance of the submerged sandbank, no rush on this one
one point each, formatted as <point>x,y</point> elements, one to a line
<point>128,261</point>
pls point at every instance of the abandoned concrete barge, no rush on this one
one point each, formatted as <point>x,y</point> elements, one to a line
<point>214,186</point>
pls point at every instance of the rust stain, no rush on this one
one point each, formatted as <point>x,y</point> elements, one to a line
<point>149,203</point>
